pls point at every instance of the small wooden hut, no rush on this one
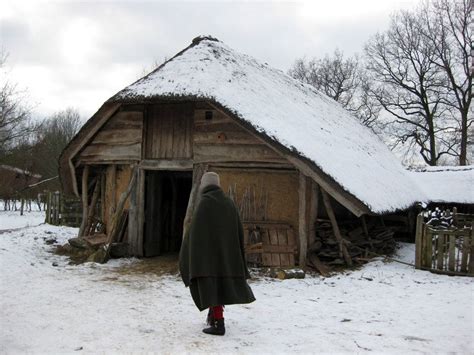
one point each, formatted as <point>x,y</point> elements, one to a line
<point>286,154</point>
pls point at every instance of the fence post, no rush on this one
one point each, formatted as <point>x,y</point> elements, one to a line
<point>48,208</point>
<point>418,240</point>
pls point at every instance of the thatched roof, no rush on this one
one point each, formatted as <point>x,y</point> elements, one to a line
<point>292,114</point>
<point>446,184</point>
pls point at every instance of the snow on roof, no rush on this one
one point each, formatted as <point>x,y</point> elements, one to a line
<point>446,184</point>
<point>289,112</point>
<point>19,171</point>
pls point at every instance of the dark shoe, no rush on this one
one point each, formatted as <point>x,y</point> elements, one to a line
<point>210,317</point>
<point>217,328</point>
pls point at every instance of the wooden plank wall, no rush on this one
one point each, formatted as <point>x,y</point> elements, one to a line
<point>221,139</point>
<point>120,139</point>
<point>169,131</point>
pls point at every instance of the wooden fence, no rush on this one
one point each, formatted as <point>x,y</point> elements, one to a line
<point>61,210</point>
<point>447,251</point>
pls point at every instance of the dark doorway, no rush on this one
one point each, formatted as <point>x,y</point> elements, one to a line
<point>166,199</point>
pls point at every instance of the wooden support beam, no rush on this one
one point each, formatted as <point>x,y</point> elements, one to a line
<point>313,213</point>
<point>335,227</point>
<point>303,219</point>
<point>140,207</point>
<point>162,164</point>
<point>85,200</point>
<point>198,172</point>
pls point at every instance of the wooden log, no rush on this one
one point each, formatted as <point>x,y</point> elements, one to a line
<point>85,200</point>
<point>337,232</point>
<point>323,269</point>
<point>285,274</point>
<point>419,241</point>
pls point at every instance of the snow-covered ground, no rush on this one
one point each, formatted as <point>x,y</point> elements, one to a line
<point>13,220</point>
<point>383,307</point>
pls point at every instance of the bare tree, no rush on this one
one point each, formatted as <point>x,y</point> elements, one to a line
<point>447,27</point>
<point>411,87</point>
<point>342,79</point>
<point>14,112</point>
<point>52,135</point>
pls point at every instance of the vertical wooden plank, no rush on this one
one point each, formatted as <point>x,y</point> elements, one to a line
<point>189,133</point>
<point>48,208</point>
<point>440,252</point>
<point>471,254</point>
<point>428,236</point>
<point>132,237</point>
<point>419,241</point>
<point>452,252</point>
<point>273,236</point>
<point>291,243</point>
<point>102,197</point>
<point>140,207</point>
<point>283,240</point>
<point>266,257</point>
<point>302,220</point>
<point>465,252</point>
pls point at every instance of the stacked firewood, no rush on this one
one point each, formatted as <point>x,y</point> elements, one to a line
<point>361,243</point>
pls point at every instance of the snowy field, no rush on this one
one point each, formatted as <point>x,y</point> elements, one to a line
<point>383,308</point>
<point>13,220</point>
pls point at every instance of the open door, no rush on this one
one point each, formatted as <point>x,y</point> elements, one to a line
<point>166,199</point>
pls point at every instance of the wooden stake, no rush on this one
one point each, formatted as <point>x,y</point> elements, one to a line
<point>337,232</point>
<point>418,241</point>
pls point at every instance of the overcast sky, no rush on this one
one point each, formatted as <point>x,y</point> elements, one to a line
<point>78,54</point>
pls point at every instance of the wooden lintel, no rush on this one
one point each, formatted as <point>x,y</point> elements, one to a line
<point>166,164</point>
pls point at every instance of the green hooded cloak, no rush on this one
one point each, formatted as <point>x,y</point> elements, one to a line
<point>212,257</point>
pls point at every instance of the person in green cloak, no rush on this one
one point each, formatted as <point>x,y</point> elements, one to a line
<point>212,258</point>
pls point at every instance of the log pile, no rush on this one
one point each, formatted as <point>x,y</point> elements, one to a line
<point>362,242</point>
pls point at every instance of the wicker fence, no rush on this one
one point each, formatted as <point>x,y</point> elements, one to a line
<point>446,250</point>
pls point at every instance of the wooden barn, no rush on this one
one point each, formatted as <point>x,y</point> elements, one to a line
<point>289,156</point>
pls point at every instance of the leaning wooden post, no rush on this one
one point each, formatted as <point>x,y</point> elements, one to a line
<point>85,200</point>
<point>418,240</point>
<point>337,232</point>
<point>198,172</point>
<point>302,220</point>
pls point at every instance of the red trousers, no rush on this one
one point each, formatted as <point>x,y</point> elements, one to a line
<point>217,312</point>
